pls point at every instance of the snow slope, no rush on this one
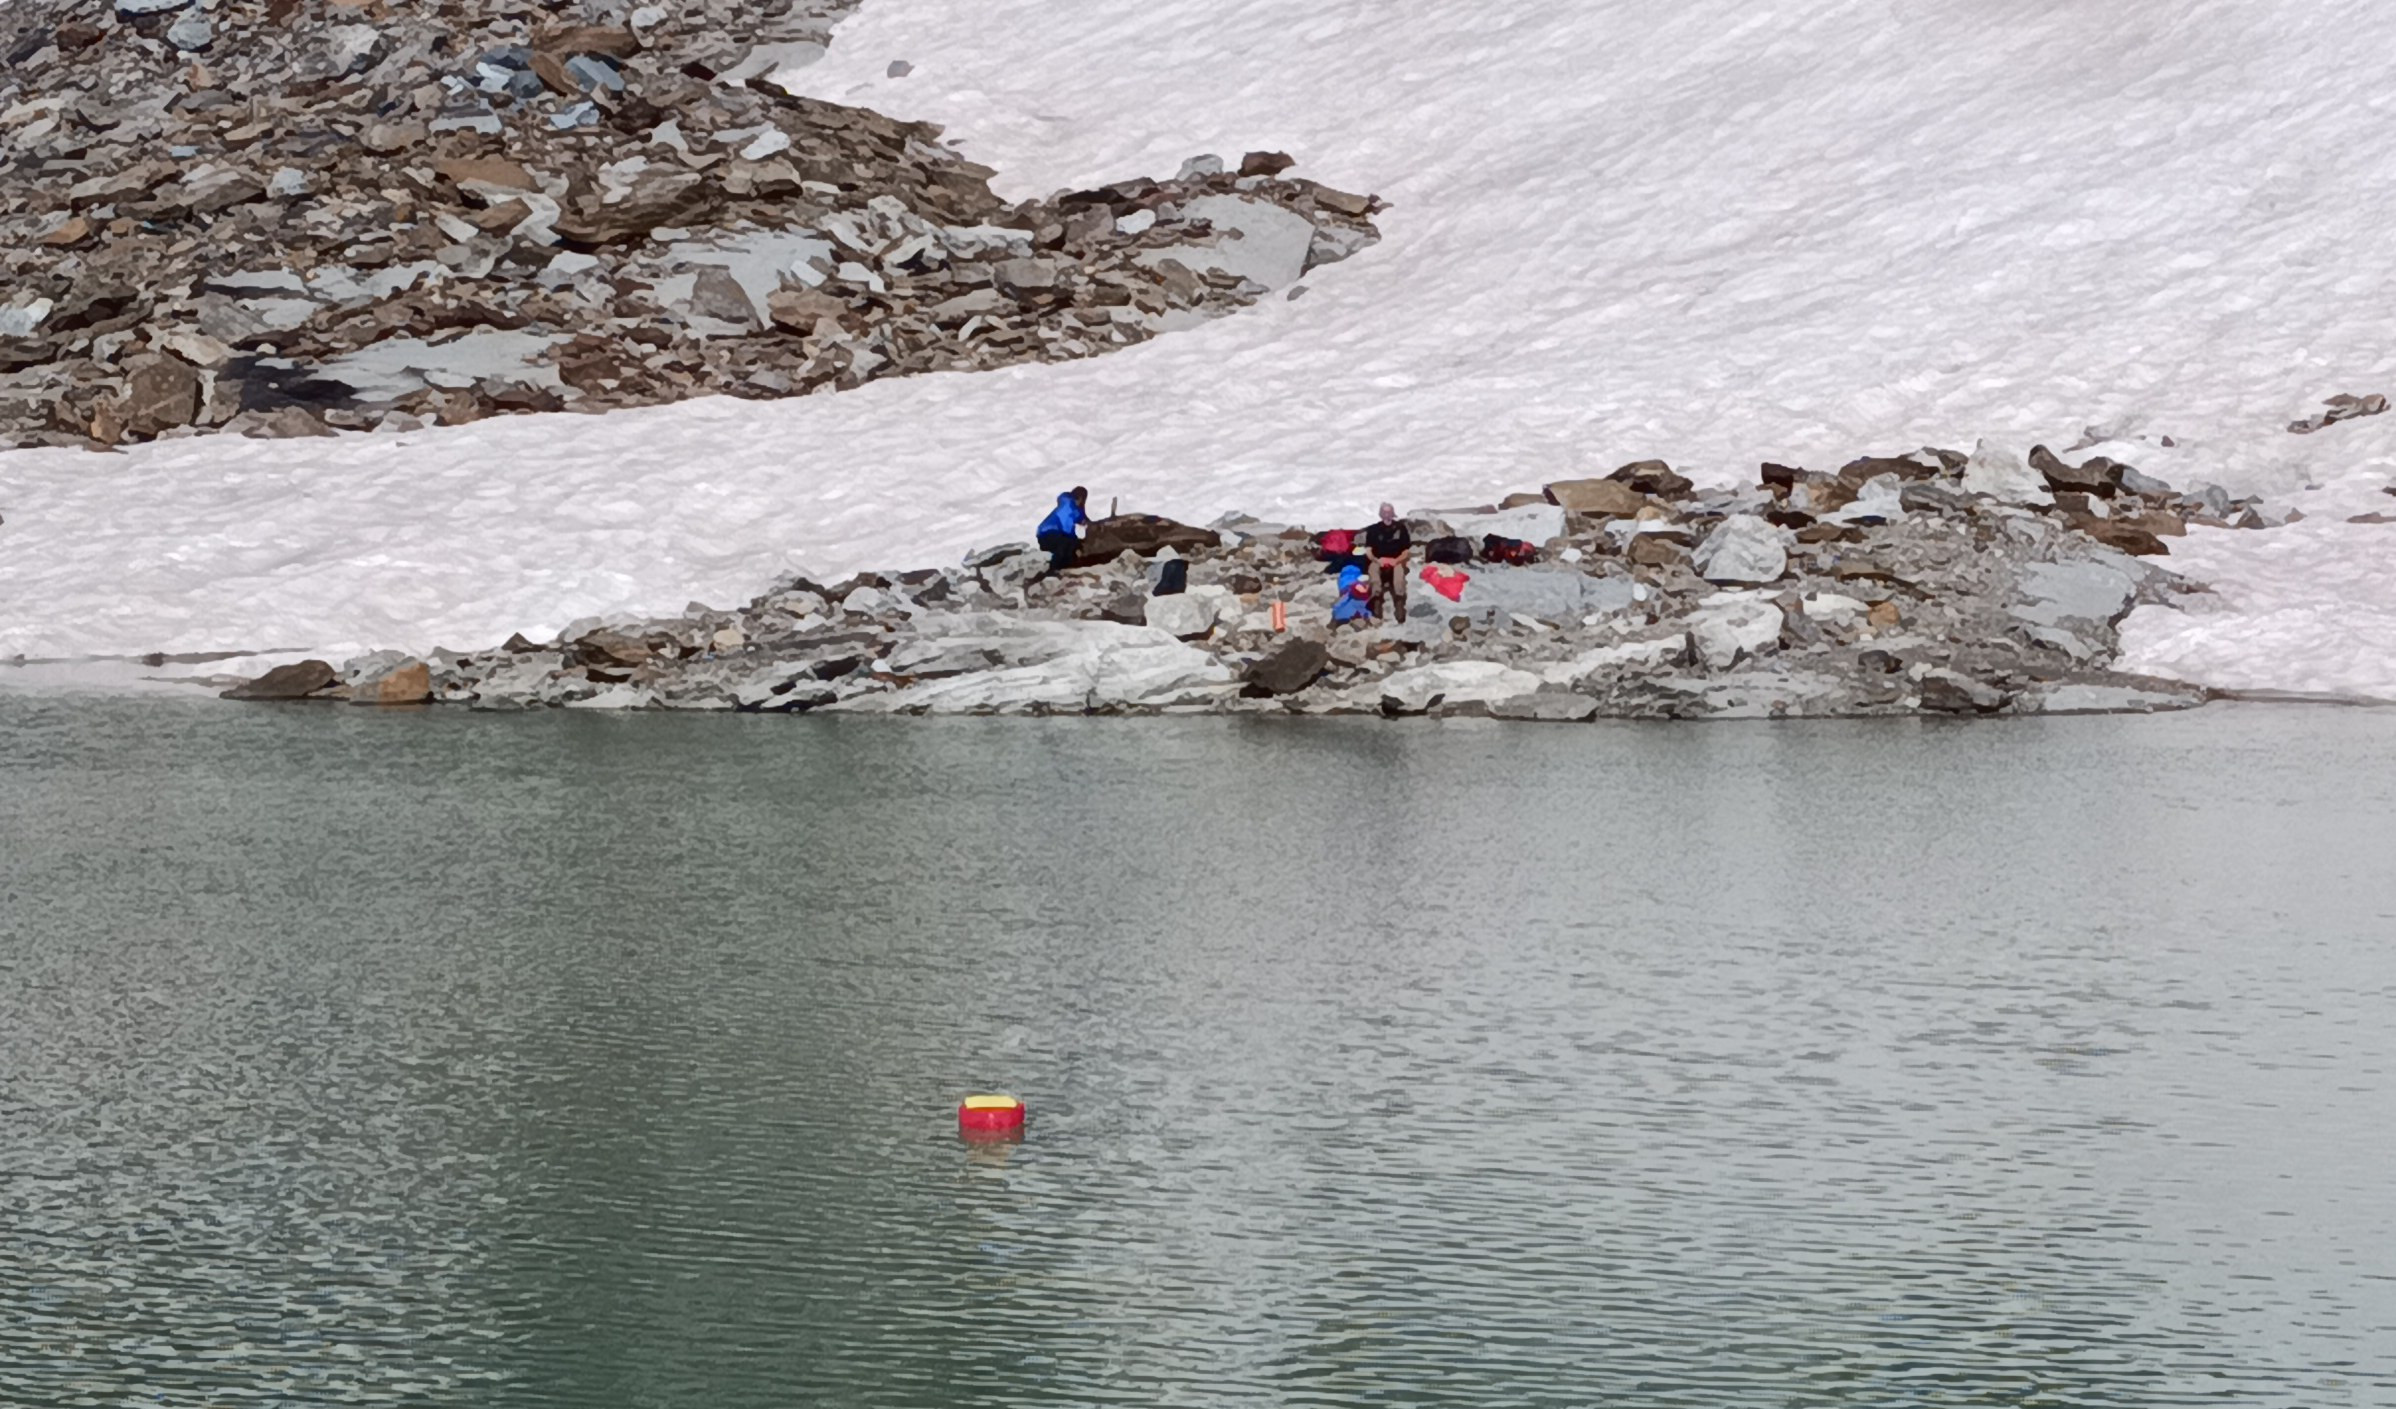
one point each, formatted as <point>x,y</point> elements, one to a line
<point>1709,230</point>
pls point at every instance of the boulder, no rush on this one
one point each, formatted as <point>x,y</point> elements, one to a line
<point>161,393</point>
<point>1878,500</point>
<point>610,648</point>
<point>1656,550</point>
<point>1653,477</point>
<point>1926,497</point>
<point>1260,241</point>
<point>1287,669</point>
<point>1744,550</point>
<point>1951,692</point>
<point>296,681</point>
<point>2086,590</point>
<point>1452,683</point>
<point>1597,498</point>
<point>1730,627</point>
<point>2001,475</point>
<point>2124,535</point>
<point>1191,613</point>
<point>2099,476</point>
<point>1070,667</point>
<point>409,683</point>
<point>1145,534</point>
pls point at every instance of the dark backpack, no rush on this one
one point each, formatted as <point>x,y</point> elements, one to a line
<point>1172,578</point>
<point>1449,550</point>
<point>1496,549</point>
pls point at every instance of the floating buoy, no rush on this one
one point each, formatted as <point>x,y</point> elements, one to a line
<point>989,1117</point>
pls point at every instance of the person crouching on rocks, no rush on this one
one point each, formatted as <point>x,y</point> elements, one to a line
<point>1391,545</point>
<point>1355,597</point>
<point>1060,533</point>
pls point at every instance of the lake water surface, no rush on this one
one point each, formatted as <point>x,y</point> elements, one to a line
<point>561,1060</point>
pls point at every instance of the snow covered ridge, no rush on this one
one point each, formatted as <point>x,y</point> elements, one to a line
<point>444,214</point>
<point>1935,582</point>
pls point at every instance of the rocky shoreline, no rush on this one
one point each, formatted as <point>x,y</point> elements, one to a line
<point>1933,582</point>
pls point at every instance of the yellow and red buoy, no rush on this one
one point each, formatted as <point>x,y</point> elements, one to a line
<point>990,1118</point>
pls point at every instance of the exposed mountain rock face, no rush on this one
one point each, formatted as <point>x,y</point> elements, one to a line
<point>275,216</point>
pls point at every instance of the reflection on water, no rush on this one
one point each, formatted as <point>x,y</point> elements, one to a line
<point>573,1061</point>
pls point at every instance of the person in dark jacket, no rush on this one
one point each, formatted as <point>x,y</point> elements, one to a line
<point>1391,545</point>
<point>1060,533</point>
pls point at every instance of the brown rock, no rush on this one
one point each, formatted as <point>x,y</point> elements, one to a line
<point>498,219</point>
<point>1655,550</point>
<point>1653,477</point>
<point>716,294</point>
<point>589,39</point>
<point>1266,163</point>
<point>611,648</point>
<point>409,684</point>
<point>74,231</point>
<point>1597,498</point>
<point>384,138</point>
<point>1872,467</point>
<point>287,682</point>
<point>161,393</point>
<point>657,199</point>
<point>282,423</point>
<point>496,171</point>
<point>1287,669</point>
<point>1884,615</point>
<point>2160,522</point>
<point>1111,538</point>
<point>2099,477</point>
<point>107,425</point>
<point>2123,535</point>
<point>1343,202</point>
<point>760,180</point>
<point>798,309</point>
<point>1953,693</point>
<point>551,70</point>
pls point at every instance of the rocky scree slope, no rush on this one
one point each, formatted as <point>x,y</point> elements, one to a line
<point>284,216</point>
<point>1928,582</point>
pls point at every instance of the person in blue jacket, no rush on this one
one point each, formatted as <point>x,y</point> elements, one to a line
<point>1060,532</point>
<point>1355,597</point>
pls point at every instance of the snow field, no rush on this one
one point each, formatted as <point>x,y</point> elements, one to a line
<point>1705,232</point>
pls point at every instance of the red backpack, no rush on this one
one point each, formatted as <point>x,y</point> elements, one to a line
<point>1339,542</point>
